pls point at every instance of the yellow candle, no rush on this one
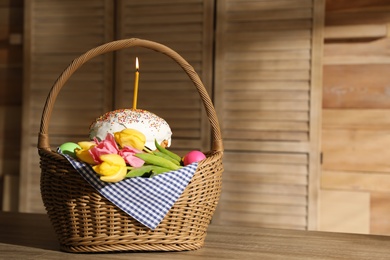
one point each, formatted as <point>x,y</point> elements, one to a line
<point>135,97</point>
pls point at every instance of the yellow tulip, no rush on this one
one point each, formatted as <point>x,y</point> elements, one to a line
<point>130,137</point>
<point>86,144</point>
<point>83,153</point>
<point>112,169</point>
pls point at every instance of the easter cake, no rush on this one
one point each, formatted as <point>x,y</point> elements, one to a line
<point>151,125</point>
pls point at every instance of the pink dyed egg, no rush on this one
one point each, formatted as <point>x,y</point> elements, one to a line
<point>193,156</point>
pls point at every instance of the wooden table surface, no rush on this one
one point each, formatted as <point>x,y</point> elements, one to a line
<point>30,236</point>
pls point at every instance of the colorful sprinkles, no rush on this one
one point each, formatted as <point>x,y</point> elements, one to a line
<point>129,116</point>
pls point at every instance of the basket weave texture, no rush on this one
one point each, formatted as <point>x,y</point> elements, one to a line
<point>85,221</point>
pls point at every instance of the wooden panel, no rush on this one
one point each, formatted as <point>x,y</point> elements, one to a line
<point>371,31</point>
<point>344,211</point>
<point>266,70</point>
<point>339,5</point>
<point>358,119</point>
<point>56,33</point>
<point>372,52</point>
<point>344,89</point>
<point>356,181</point>
<point>164,88</point>
<point>373,15</point>
<point>380,212</point>
<point>356,150</point>
<point>355,119</point>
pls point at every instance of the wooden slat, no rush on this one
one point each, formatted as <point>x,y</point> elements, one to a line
<point>296,116</point>
<point>256,15</point>
<point>274,25</point>
<point>285,189</point>
<point>269,45</point>
<point>167,8</point>
<point>243,6</point>
<point>161,3</point>
<point>266,95</point>
<point>264,209</point>
<point>270,35</point>
<point>254,170</point>
<point>268,75</point>
<point>266,146</point>
<point>279,158</point>
<point>269,65</point>
<point>284,53</point>
<point>268,85</point>
<point>264,125</point>
<point>279,105</point>
<point>265,135</point>
<point>275,199</point>
<point>267,220</point>
<point>273,177</point>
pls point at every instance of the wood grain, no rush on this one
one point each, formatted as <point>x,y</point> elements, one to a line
<point>11,84</point>
<point>380,212</point>
<point>344,89</point>
<point>356,150</point>
<point>19,240</point>
<point>356,181</point>
<point>164,88</point>
<point>267,67</point>
<point>344,211</point>
<point>356,119</point>
<point>55,34</point>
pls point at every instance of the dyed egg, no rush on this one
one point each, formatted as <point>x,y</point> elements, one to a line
<point>193,156</point>
<point>68,148</point>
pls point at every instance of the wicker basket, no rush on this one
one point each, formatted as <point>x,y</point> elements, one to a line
<point>84,221</point>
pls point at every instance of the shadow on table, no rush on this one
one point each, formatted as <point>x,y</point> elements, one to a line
<point>26,229</point>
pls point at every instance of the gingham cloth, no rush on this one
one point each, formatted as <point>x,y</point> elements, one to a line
<point>147,200</point>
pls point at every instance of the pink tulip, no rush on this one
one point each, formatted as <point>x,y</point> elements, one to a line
<point>107,146</point>
<point>127,153</point>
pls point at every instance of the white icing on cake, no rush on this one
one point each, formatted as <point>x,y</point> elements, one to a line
<point>148,123</point>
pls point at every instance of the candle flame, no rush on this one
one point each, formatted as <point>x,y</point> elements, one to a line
<point>136,64</point>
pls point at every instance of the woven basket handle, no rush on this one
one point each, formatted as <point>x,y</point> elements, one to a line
<point>43,138</point>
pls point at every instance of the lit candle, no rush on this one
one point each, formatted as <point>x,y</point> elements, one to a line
<point>136,84</point>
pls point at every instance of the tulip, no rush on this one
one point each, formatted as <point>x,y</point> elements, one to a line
<point>112,169</point>
<point>130,137</point>
<point>107,146</point>
<point>128,153</point>
<point>83,153</point>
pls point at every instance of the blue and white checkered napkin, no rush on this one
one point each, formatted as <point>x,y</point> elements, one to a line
<point>147,200</point>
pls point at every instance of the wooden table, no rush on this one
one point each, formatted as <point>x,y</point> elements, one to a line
<point>30,236</point>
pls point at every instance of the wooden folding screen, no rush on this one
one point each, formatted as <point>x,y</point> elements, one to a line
<point>56,32</point>
<point>267,92</point>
